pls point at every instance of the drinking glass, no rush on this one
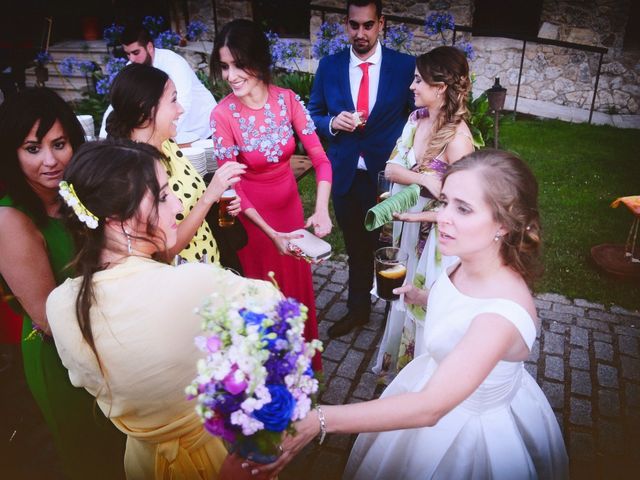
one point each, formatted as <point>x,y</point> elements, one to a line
<point>391,271</point>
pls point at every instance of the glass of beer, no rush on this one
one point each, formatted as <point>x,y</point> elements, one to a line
<point>391,270</point>
<point>225,219</point>
<point>384,187</point>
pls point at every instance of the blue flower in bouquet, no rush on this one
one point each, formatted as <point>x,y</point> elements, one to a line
<point>399,38</point>
<point>195,30</point>
<point>258,379</point>
<point>167,39</point>
<point>153,25</point>
<point>113,34</point>
<point>276,415</point>
<point>438,23</point>
<point>330,39</point>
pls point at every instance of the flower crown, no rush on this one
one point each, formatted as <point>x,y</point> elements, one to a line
<point>68,193</point>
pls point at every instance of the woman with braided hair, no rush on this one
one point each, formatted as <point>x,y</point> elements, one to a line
<point>435,136</point>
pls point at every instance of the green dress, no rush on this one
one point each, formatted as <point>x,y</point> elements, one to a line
<point>87,443</point>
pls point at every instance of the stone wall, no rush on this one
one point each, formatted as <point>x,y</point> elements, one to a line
<point>554,77</point>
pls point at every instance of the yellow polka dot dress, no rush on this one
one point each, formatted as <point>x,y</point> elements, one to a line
<point>188,186</point>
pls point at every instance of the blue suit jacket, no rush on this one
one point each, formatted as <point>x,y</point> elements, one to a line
<point>331,94</point>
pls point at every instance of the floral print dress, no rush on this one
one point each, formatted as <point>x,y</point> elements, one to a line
<point>263,139</point>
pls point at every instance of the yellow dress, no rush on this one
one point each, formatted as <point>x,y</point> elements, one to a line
<point>188,186</point>
<point>144,325</point>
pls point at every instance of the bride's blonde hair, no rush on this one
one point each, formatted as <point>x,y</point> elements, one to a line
<point>446,65</point>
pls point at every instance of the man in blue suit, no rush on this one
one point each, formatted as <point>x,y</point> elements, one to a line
<point>373,81</point>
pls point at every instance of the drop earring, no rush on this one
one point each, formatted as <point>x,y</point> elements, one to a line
<point>497,237</point>
<point>129,248</point>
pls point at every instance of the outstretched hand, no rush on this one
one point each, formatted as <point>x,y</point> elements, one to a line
<point>415,216</point>
<point>306,430</point>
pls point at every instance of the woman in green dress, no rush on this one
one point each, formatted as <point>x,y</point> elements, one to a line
<point>38,135</point>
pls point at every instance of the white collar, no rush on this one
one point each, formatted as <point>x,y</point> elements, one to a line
<point>374,59</point>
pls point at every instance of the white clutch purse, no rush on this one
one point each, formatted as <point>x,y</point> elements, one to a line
<point>309,247</point>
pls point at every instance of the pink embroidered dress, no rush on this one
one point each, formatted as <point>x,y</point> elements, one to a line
<point>263,140</point>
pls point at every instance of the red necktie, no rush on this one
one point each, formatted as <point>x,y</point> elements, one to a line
<point>363,92</point>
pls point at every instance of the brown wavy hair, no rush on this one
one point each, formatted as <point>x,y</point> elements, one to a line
<point>111,178</point>
<point>512,192</point>
<point>446,65</point>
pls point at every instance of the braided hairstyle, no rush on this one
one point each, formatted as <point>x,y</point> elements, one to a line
<point>512,192</point>
<point>110,178</point>
<point>446,65</point>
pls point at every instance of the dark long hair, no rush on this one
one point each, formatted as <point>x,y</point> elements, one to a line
<point>135,95</point>
<point>249,48</point>
<point>18,114</point>
<point>511,189</point>
<point>110,179</point>
<point>446,65</point>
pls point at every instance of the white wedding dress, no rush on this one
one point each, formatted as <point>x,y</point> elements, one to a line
<point>505,429</point>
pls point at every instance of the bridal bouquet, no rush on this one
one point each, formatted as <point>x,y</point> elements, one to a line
<point>256,378</point>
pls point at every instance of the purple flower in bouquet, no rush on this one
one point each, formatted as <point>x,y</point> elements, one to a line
<point>258,380</point>
<point>216,427</point>
<point>438,23</point>
<point>276,415</point>
<point>195,30</point>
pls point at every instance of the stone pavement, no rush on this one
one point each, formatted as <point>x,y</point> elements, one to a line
<point>586,360</point>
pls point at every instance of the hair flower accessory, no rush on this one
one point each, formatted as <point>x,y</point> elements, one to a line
<point>68,193</point>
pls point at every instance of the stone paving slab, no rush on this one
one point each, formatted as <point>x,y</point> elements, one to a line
<point>586,360</point>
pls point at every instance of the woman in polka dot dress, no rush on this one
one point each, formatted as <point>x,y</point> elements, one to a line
<point>145,109</point>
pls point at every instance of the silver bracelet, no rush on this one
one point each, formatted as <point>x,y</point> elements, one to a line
<point>323,425</point>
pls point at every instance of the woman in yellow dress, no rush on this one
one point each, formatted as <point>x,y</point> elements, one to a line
<point>145,109</point>
<point>125,327</point>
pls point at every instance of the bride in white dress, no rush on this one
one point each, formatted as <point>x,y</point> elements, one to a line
<point>465,407</point>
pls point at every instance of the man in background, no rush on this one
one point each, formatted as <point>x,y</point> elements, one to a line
<point>195,99</point>
<point>374,81</point>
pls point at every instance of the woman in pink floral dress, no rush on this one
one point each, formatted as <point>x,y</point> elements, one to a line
<point>255,125</point>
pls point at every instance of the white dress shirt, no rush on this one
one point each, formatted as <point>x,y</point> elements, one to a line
<point>195,99</point>
<point>355,76</point>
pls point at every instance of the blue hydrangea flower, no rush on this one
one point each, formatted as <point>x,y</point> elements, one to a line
<point>113,34</point>
<point>399,37</point>
<point>438,23</point>
<point>467,49</point>
<point>153,25</point>
<point>114,65</point>
<point>67,65</point>
<point>195,30</point>
<point>42,58</point>
<point>167,39</point>
<point>330,39</point>
<point>284,53</point>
